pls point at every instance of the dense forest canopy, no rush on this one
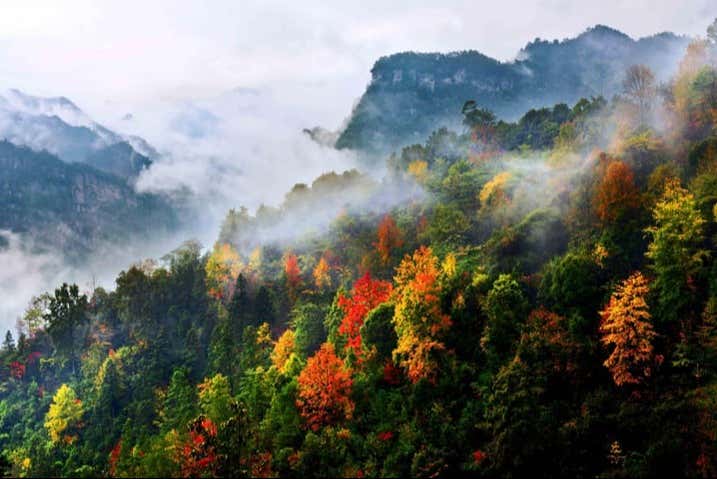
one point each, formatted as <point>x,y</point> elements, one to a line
<point>539,300</point>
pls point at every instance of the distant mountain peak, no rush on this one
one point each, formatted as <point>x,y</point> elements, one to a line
<point>59,126</point>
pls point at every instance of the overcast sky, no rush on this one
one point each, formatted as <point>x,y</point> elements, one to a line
<point>112,57</point>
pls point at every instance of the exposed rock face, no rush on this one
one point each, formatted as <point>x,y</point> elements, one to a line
<point>73,207</point>
<point>412,94</point>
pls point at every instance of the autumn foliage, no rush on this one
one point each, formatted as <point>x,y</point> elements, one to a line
<point>292,271</point>
<point>324,390</point>
<point>321,274</point>
<point>222,270</point>
<point>283,349</point>
<point>389,238</point>
<point>198,457</point>
<point>367,293</point>
<point>419,320</point>
<point>616,193</point>
<point>626,328</point>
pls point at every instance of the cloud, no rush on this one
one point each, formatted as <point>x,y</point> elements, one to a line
<point>25,272</point>
<point>242,148</point>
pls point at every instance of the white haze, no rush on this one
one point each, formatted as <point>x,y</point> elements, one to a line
<point>240,148</point>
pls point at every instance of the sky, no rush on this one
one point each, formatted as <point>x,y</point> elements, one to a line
<point>117,57</point>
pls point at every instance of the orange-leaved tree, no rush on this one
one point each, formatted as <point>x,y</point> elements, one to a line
<point>324,389</point>
<point>293,272</point>
<point>418,319</point>
<point>627,329</point>
<point>389,238</point>
<point>367,293</point>
<point>321,273</point>
<point>616,194</point>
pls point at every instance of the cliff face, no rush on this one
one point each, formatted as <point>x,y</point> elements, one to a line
<point>73,207</point>
<point>412,94</point>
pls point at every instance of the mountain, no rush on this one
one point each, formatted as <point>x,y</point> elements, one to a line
<point>60,127</point>
<point>411,94</point>
<point>73,207</point>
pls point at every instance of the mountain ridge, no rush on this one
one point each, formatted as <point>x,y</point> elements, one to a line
<point>411,93</point>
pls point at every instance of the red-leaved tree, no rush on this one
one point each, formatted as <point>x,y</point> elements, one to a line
<point>367,293</point>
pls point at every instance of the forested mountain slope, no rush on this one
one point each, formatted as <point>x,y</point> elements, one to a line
<point>542,302</point>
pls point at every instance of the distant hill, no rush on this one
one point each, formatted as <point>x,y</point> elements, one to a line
<point>60,127</point>
<point>412,94</point>
<point>73,208</point>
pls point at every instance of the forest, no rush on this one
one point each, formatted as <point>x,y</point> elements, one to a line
<point>532,298</point>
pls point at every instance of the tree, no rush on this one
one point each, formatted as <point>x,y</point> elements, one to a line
<point>179,403</point>
<point>712,32</point>
<point>8,345</point>
<point>264,307</point>
<point>308,323</point>
<point>377,332</point>
<point>240,308</point>
<point>571,283</point>
<point>639,87</point>
<point>34,314</point>
<point>366,294</point>
<point>389,238</point>
<point>64,415</point>
<point>617,194</point>
<point>197,454</point>
<point>324,396</point>
<point>321,274</point>
<point>222,270</point>
<point>293,273</point>
<point>283,350</point>
<point>507,309</point>
<point>215,399</point>
<point>675,249</point>
<point>222,347</point>
<point>67,311</point>
<point>627,329</point>
<point>419,320</point>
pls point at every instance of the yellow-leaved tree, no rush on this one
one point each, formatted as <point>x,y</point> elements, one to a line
<point>222,269</point>
<point>419,321</point>
<point>64,415</point>
<point>627,329</point>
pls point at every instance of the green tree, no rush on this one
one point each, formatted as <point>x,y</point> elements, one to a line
<point>67,312</point>
<point>308,322</point>
<point>676,249</point>
<point>222,347</point>
<point>215,399</point>
<point>506,308</point>
<point>179,403</point>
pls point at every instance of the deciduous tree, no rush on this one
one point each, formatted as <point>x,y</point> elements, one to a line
<point>626,329</point>
<point>419,321</point>
<point>366,294</point>
<point>64,415</point>
<point>324,396</point>
<point>389,238</point>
